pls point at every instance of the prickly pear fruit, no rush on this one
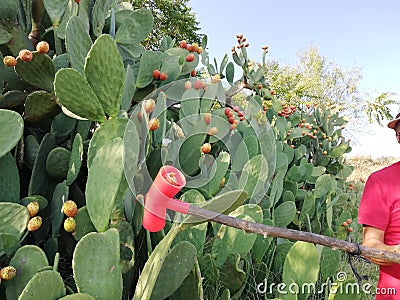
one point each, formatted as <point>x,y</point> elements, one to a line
<point>213,131</point>
<point>190,57</point>
<point>9,61</point>
<point>154,124</point>
<point>7,273</point>
<point>156,74</point>
<point>70,209</point>
<point>42,47</point>
<point>34,223</point>
<point>183,44</point>
<point>207,118</point>
<point>206,148</point>
<point>33,208</point>
<point>70,225</point>
<point>25,55</point>
<point>149,105</point>
<point>163,76</point>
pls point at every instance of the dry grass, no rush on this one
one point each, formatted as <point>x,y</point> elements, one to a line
<point>364,166</point>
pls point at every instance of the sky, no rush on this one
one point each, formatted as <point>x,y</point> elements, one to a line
<point>351,33</point>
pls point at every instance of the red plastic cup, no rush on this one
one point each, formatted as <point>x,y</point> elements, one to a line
<point>160,197</point>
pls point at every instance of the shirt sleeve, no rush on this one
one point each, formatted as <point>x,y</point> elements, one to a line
<point>374,210</point>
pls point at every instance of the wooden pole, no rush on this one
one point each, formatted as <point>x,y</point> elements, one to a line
<point>291,234</point>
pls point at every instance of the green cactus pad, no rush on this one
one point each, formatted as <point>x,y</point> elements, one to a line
<point>284,214</point>
<point>38,72</point>
<point>230,240</point>
<point>46,284</point>
<point>11,129</point>
<point>40,106</point>
<point>28,260</point>
<point>112,128</point>
<point>224,203</point>
<point>9,179</point>
<point>8,11</point>
<point>329,262</point>
<point>152,268</point>
<point>78,296</point>
<point>74,92</point>
<point>98,253</point>
<point>39,183</point>
<point>5,36</point>
<point>301,266</point>
<point>324,185</point>
<point>232,276</point>
<point>100,13</point>
<point>221,167</point>
<point>105,73</point>
<point>83,223</point>
<point>136,27</point>
<point>254,176</point>
<point>75,161</point>
<point>55,9</point>
<point>175,269</point>
<point>39,199</point>
<point>57,163</point>
<point>102,187</point>
<point>60,195</point>
<point>13,215</point>
<point>149,62</point>
<point>62,126</point>
<point>129,88</point>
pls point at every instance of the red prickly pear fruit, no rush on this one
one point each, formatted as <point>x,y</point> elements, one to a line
<point>349,221</point>
<point>349,229</point>
<point>195,47</point>
<point>227,111</point>
<point>149,105</point>
<point>189,48</point>
<point>344,224</point>
<point>190,57</point>
<point>77,1</point>
<point>171,178</point>
<point>70,209</point>
<point>241,118</point>
<point>206,148</point>
<point>232,127</point>
<point>198,84</point>
<point>25,55</point>
<point>42,47</point>
<point>240,114</point>
<point>156,74</point>
<point>188,85</point>
<point>236,108</point>
<point>273,93</point>
<point>34,223</point>
<point>183,44</point>
<point>213,131</point>
<point>163,76</point>
<point>7,273</point>
<point>154,124</point>
<point>10,61</point>
<point>33,208</point>
<point>207,118</point>
<point>70,225</point>
<point>231,120</point>
<point>193,73</point>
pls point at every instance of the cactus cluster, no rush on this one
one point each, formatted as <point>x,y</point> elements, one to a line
<point>89,118</point>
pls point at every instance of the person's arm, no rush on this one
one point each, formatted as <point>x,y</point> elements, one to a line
<point>374,238</point>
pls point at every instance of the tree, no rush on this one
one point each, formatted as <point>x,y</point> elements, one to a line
<point>171,18</point>
<point>317,80</point>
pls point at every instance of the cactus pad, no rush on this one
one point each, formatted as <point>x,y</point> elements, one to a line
<point>104,260</point>
<point>9,179</point>
<point>11,129</point>
<point>46,284</point>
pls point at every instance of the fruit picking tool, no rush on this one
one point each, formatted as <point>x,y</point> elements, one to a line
<point>169,181</point>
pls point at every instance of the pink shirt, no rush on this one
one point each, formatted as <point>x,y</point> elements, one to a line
<point>380,208</point>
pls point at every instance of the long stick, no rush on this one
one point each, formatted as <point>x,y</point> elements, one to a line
<point>267,230</point>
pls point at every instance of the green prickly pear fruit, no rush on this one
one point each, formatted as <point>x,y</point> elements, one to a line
<point>25,55</point>
<point>7,273</point>
<point>42,47</point>
<point>33,208</point>
<point>34,223</point>
<point>70,208</point>
<point>70,225</point>
<point>9,61</point>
